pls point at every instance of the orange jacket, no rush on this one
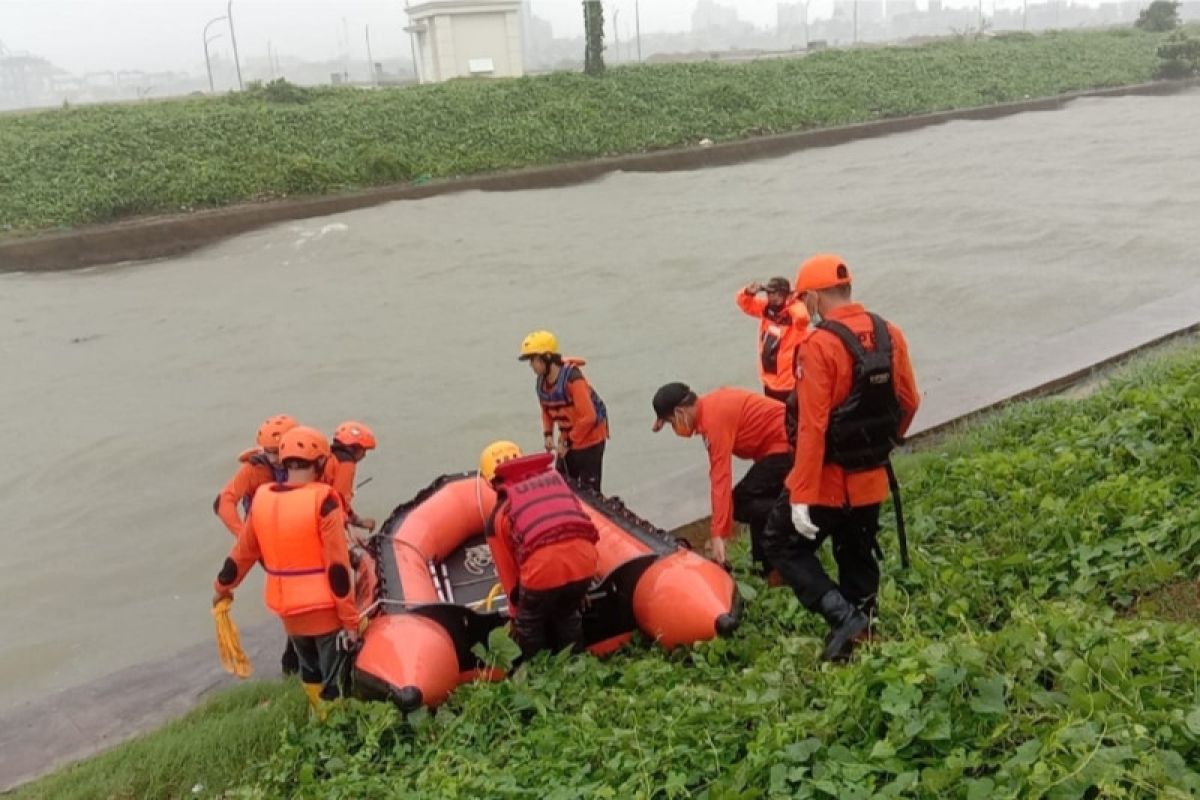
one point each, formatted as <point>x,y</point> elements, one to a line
<point>779,334</point>
<point>824,374</point>
<point>340,472</point>
<point>578,421</point>
<point>735,422</point>
<point>244,483</point>
<point>299,533</point>
<point>547,567</point>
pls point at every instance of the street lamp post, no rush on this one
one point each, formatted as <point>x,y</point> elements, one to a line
<point>804,10</point>
<point>616,35</point>
<point>370,60</point>
<point>637,26</point>
<point>233,38</point>
<point>207,61</point>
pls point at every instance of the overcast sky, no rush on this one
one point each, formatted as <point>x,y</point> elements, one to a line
<point>94,35</point>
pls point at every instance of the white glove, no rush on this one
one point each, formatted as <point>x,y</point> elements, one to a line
<point>802,522</point>
<point>346,641</point>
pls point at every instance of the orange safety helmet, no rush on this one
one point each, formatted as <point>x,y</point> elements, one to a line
<point>494,455</point>
<point>352,434</point>
<point>304,444</point>
<point>271,432</point>
<point>822,271</point>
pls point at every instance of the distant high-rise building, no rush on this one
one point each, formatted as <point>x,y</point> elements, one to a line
<point>711,16</point>
<point>789,16</point>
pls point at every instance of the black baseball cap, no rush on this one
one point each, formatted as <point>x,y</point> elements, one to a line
<point>665,401</point>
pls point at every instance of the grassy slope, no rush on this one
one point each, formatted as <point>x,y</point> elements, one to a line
<point>69,167</point>
<point>1011,665</point>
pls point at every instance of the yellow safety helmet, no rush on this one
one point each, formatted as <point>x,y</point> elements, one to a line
<point>538,343</point>
<point>494,455</point>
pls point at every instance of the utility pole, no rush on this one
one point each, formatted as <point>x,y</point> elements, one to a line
<point>207,60</point>
<point>855,21</point>
<point>616,35</point>
<point>370,60</point>
<point>1024,15</point>
<point>804,10</point>
<point>233,38</point>
<point>637,25</point>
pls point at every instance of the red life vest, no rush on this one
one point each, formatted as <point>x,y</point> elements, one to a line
<point>541,507</point>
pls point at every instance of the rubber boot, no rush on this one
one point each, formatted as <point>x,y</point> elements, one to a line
<point>845,623</point>
<point>315,703</point>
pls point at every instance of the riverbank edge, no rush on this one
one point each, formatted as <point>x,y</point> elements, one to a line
<point>75,725</point>
<point>149,238</point>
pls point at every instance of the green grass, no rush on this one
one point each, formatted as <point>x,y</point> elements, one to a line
<point>1016,659</point>
<point>215,746</point>
<point>68,167</point>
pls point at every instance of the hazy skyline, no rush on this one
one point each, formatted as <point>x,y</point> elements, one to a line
<point>156,35</point>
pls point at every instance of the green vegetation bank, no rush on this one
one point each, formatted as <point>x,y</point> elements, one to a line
<point>95,164</point>
<point>1026,654</point>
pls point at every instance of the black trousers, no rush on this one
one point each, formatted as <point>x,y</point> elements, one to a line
<point>318,656</point>
<point>755,495</point>
<point>290,661</point>
<point>852,531</point>
<point>585,465</point>
<point>777,394</point>
<point>551,618</point>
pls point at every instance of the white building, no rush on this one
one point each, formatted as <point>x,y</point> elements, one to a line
<point>465,38</point>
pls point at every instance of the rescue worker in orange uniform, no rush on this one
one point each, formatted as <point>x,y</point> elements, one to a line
<point>297,529</point>
<point>351,441</point>
<point>782,323</point>
<point>857,396</point>
<point>258,466</point>
<point>569,403</point>
<point>544,546</point>
<point>733,422</point>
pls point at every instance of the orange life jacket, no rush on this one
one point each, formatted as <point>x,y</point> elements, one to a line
<point>542,509</point>
<point>287,522</point>
<point>556,399</point>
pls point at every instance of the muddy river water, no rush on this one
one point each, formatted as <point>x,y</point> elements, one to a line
<point>128,391</point>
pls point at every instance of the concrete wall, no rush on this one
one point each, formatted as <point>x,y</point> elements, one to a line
<point>480,36</point>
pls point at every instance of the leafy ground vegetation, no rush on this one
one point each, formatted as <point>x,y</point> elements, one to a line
<point>1026,654</point>
<point>95,164</point>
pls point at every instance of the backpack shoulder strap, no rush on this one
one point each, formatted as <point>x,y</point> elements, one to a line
<point>883,338</point>
<point>847,338</point>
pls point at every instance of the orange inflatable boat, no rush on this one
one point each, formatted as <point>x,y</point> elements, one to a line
<point>439,595</point>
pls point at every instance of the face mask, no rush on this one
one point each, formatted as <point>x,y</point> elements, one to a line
<point>681,428</point>
<point>811,303</point>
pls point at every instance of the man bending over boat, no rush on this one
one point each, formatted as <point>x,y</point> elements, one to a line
<point>544,546</point>
<point>733,422</point>
<point>297,528</point>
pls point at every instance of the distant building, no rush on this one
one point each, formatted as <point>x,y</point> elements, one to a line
<point>712,16</point>
<point>466,38</point>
